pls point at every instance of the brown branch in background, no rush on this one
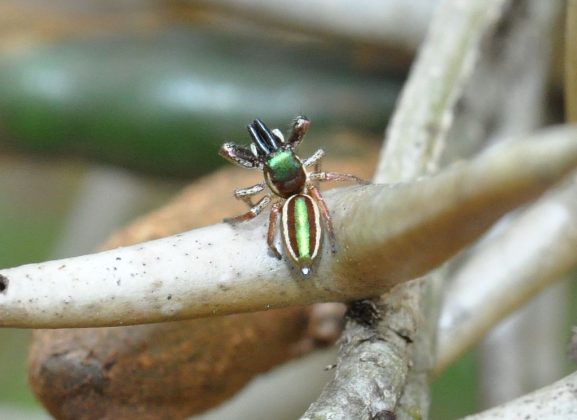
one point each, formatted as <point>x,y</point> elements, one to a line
<point>168,370</point>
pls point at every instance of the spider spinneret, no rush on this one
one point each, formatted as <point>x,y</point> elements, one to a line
<point>295,198</point>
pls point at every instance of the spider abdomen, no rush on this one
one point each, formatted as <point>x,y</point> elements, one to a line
<point>301,230</point>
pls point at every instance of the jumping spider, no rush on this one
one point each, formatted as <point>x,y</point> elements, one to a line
<point>292,190</point>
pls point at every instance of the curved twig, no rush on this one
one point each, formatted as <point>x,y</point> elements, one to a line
<point>528,255</point>
<point>222,269</point>
<point>554,401</point>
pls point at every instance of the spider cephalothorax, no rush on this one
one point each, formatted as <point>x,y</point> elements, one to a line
<point>295,198</point>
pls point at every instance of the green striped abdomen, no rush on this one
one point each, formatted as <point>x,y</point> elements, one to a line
<point>301,230</point>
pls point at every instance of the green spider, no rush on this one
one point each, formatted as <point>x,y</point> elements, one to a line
<point>292,191</point>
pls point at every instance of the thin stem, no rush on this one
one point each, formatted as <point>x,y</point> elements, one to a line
<point>501,274</point>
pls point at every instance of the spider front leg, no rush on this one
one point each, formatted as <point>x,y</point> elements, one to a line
<point>273,218</point>
<point>335,176</point>
<point>245,194</point>
<point>315,159</point>
<point>240,156</point>
<point>325,214</point>
<point>252,213</point>
<point>300,126</point>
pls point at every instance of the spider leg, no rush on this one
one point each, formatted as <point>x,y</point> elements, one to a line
<point>245,194</point>
<point>252,213</point>
<point>299,129</point>
<point>239,155</point>
<point>315,159</point>
<point>335,176</point>
<point>272,220</point>
<point>325,214</point>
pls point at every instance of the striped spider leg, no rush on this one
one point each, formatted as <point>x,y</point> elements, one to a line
<point>272,221</point>
<point>318,175</point>
<point>313,188</point>
<point>245,194</point>
<point>252,213</point>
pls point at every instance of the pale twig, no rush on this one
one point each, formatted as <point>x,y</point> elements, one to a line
<point>509,97</point>
<point>415,139</point>
<point>535,250</point>
<point>223,269</point>
<point>556,401</point>
<point>418,130</point>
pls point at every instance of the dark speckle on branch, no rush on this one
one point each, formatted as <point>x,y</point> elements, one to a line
<point>3,284</point>
<point>363,312</point>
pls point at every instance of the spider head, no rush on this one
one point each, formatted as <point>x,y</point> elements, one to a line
<point>265,145</point>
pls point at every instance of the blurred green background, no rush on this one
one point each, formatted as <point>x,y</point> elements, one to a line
<point>108,108</point>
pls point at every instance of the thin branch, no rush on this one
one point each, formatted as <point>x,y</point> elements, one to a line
<point>394,23</point>
<point>509,97</point>
<point>418,130</point>
<point>508,270</point>
<point>507,92</point>
<point>187,275</point>
<point>380,347</point>
<point>554,401</point>
<point>413,147</point>
<point>415,399</point>
<point>513,32</point>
